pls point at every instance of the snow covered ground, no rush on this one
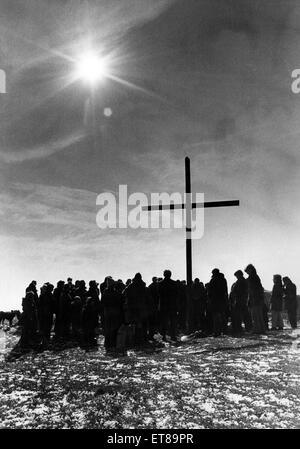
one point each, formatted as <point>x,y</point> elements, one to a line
<point>251,382</point>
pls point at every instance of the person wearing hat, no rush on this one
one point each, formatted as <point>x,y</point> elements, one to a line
<point>239,304</point>
<point>32,288</point>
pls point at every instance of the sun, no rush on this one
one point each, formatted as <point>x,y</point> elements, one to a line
<point>91,68</point>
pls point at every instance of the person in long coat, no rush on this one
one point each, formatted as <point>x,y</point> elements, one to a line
<point>218,301</point>
<point>112,303</point>
<point>93,293</point>
<point>152,308</point>
<point>45,307</point>
<point>290,299</point>
<point>88,323</point>
<point>32,288</point>
<point>182,305</point>
<point>240,312</point>
<point>29,335</point>
<point>277,303</point>
<point>64,314</point>
<point>102,288</point>
<point>135,296</point>
<point>56,308</point>
<point>76,310</point>
<point>256,299</point>
<point>199,305</point>
<point>168,302</point>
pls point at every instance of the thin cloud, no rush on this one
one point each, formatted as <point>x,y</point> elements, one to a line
<point>42,151</point>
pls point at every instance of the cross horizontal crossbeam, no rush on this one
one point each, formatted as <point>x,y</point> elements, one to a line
<point>194,205</point>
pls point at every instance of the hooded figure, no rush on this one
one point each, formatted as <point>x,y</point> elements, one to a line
<point>32,288</point>
<point>29,322</point>
<point>218,301</point>
<point>277,303</point>
<point>290,299</point>
<point>199,305</point>
<point>256,300</point>
<point>240,312</point>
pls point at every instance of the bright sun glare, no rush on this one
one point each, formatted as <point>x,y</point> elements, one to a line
<point>91,68</point>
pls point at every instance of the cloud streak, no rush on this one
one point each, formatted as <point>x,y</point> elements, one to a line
<point>42,151</point>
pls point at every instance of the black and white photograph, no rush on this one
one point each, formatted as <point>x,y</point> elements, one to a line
<point>149,217</point>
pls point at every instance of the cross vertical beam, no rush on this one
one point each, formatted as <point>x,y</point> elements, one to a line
<point>189,206</point>
<point>188,240</point>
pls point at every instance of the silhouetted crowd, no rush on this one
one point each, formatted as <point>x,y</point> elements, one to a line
<point>133,314</point>
<point>9,317</point>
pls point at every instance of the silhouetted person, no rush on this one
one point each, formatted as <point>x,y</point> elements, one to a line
<point>112,302</point>
<point>240,312</point>
<point>93,293</point>
<point>103,286</point>
<point>71,287</point>
<point>152,308</point>
<point>93,290</point>
<point>256,299</point>
<point>168,300</point>
<point>32,288</point>
<point>9,316</point>
<point>290,299</point>
<point>45,307</point>
<point>199,306</point>
<point>227,311</point>
<point>218,300</point>
<point>277,303</point>
<point>64,313</point>
<point>29,336</point>
<point>76,309</point>
<point>80,291</point>
<point>18,316</point>
<point>135,295</point>
<point>56,301</point>
<point>120,286</point>
<point>88,323</point>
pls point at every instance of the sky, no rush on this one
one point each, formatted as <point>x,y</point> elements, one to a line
<point>208,79</point>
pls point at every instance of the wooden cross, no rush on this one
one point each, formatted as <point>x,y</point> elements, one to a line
<point>188,206</point>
